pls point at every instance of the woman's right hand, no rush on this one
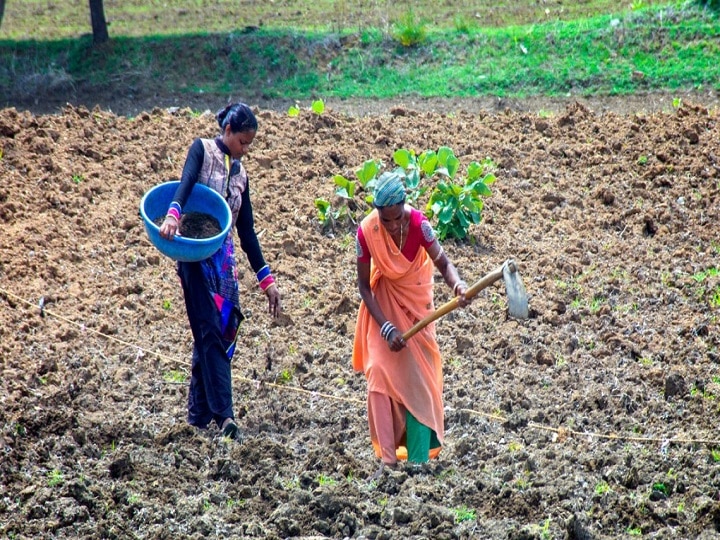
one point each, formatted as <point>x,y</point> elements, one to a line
<point>169,228</point>
<point>396,341</point>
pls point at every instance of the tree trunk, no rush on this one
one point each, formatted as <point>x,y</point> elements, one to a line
<point>99,24</point>
<point>2,10</point>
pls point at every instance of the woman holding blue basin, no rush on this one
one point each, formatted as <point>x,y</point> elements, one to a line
<point>210,286</point>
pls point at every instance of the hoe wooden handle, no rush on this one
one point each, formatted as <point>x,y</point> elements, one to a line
<point>449,306</point>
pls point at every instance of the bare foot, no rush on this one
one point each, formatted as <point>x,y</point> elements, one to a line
<point>383,466</point>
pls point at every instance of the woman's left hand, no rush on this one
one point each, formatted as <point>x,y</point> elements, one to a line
<point>460,290</point>
<point>273,295</point>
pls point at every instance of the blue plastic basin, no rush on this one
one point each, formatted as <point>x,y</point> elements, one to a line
<point>202,199</point>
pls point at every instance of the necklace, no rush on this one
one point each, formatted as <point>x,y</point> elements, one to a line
<point>390,241</point>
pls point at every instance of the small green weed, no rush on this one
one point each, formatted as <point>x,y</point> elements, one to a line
<point>55,478</point>
<point>634,531</point>
<point>601,488</point>
<point>715,455</point>
<point>409,31</point>
<point>464,514</point>
<point>324,480</point>
<point>175,376</point>
<point>78,178</point>
<point>286,376</point>
<point>514,446</point>
<point>166,304</point>
<point>642,160</point>
<point>317,106</point>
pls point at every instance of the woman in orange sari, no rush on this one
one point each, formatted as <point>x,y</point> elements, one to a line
<point>397,253</point>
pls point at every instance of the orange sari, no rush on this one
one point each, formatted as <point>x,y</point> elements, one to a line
<point>411,377</point>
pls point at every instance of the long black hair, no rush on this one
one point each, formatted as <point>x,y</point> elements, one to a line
<point>238,116</point>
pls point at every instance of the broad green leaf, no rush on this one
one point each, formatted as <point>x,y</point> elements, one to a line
<point>453,164</point>
<point>293,111</point>
<point>367,172</point>
<point>428,162</point>
<point>412,179</point>
<point>346,187</point>
<point>318,106</point>
<point>463,220</point>
<point>489,179</point>
<point>446,214</point>
<point>444,153</point>
<point>403,158</point>
<point>322,204</point>
<point>474,171</point>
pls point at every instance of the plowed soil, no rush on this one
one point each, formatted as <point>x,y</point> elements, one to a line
<point>595,418</point>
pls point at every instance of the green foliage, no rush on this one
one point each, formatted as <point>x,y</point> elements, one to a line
<point>409,30</point>
<point>464,514</point>
<point>77,178</point>
<point>285,376</point>
<point>601,488</point>
<point>324,480</point>
<point>316,107</point>
<point>454,204</point>
<point>175,376</point>
<point>166,304</point>
<point>710,4</point>
<point>458,204</point>
<point>587,58</point>
<point>55,478</point>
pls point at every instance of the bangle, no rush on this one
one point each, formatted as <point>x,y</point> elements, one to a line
<point>438,254</point>
<point>387,329</point>
<point>174,211</point>
<point>460,282</point>
<point>173,217</point>
<point>273,284</point>
<point>267,282</point>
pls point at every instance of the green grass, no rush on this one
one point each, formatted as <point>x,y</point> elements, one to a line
<point>511,49</point>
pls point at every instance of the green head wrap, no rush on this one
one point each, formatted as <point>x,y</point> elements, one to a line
<point>389,190</point>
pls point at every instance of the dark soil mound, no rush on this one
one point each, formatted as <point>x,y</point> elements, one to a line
<point>195,225</point>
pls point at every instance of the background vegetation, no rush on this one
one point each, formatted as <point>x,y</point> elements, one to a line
<point>326,48</point>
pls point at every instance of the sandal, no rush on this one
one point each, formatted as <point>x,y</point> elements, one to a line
<point>231,430</point>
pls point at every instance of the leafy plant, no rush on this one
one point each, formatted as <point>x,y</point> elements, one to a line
<point>324,480</point>
<point>55,478</point>
<point>317,107</point>
<point>409,30</point>
<point>285,376</point>
<point>455,203</point>
<point>464,514</point>
<point>601,488</point>
<point>715,455</point>
<point>175,376</point>
<point>166,304</point>
<point>77,178</point>
<point>458,205</point>
<point>634,531</point>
